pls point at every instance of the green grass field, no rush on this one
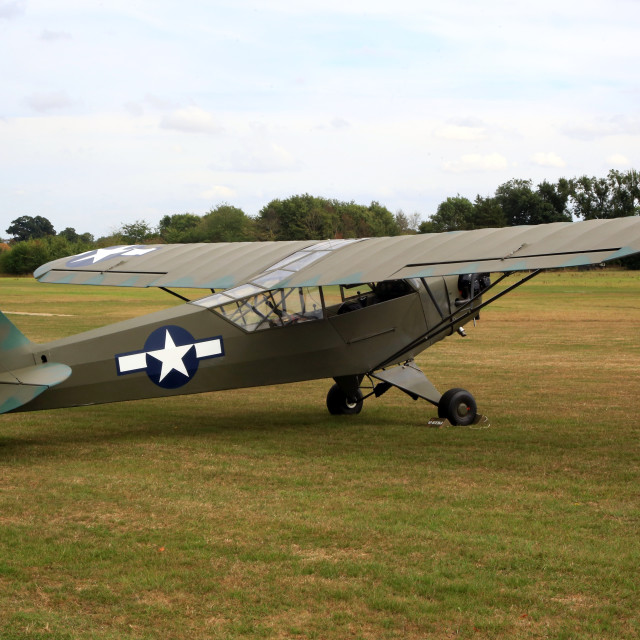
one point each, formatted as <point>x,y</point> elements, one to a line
<point>256,514</point>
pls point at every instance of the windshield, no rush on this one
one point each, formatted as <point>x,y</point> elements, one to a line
<point>275,308</point>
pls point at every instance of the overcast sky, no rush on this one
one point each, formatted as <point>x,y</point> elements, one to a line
<point>118,110</point>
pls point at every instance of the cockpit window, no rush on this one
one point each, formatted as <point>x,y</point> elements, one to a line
<point>275,308</point>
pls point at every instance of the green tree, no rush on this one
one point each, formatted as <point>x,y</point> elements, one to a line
<point>268,222</point>
<point>360,221</point>
<point>517,200</point>
<point>453,214</point>
<point>136,232</point>
<point>180,227</point>
<point>26,256</point>
<point>382,220</point>
<point>225,223</point>
<point>306,217</point>
<point>584,202</point>
<point>555,200</point>
<point>352,220</point>
<point>110,241</point>
<point>487,213</point>
<point>69,234</point>
<point>299,217</point>
<point>30,227</point>
<point>625,193</point>
<point>426,226</point>
<point>311,216</point>
<point>72,236</point>
<point>86,238</point>
<point>617,195</point>
<point>522,205</point>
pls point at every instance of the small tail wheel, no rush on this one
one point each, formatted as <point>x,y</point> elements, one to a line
<point>339,404</point>
<point>458,406</point>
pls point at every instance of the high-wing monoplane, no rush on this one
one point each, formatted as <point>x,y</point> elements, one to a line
<point>355,310</point>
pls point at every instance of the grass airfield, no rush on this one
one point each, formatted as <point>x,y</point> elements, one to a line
<point>255,514</point>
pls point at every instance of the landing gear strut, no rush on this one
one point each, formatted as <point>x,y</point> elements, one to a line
<point>340,404</point>
<point>458,406</point>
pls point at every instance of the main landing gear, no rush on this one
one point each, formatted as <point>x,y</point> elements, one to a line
<point>340,403</point>
<point>457,406</point>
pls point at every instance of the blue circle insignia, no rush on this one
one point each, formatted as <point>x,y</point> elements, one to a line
<point>171,357</point>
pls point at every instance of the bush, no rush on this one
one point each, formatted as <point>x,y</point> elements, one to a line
<point>25,257</point>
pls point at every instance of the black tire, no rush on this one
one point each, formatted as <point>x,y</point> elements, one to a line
<point>458,406</point>
<point>339,405</point>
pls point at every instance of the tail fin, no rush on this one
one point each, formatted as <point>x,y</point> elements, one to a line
<point>21,380</point>
<point>11,340</point>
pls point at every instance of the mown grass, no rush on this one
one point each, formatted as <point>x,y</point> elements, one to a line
<point>255,514</point>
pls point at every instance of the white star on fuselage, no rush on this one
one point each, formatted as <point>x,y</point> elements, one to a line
<point>171,357</point>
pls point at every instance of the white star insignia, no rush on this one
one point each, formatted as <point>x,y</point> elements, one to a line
<point>171,357</point>
<point>101,254</point>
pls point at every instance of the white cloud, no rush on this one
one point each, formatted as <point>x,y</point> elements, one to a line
<point>257,157</point>
<point>191,120</point>
<point>160,103</point>
<point>460,132</point>
<point>218,191</point>
<point>51,101</point>
<point>548,159</point>
<point>134,108</point>
<point>340,123</point>
<point>12,8</point>
<point>618,160</point>
<point>592,129</point>
<point>53,36</point>
<point>472,162</point>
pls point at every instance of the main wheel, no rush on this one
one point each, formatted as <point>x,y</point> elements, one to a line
<point>458,407</point>
<point>339,404</point>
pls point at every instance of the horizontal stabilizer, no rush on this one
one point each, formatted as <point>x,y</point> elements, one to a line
<point>20,386</point>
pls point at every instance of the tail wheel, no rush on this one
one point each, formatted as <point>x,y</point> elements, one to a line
<point>458,406</point>
<point>339,404</point>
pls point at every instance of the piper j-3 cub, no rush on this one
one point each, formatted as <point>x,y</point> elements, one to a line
<point>355,310</point>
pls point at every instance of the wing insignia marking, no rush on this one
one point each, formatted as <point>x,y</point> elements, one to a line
<point>98,255</point>
<point>170,357</point>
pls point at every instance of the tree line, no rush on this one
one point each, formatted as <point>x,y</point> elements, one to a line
<point>34,240</point>
<point>300,217</point>
<point>518,202</point>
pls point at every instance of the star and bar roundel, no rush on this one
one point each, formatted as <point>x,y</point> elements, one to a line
<point>170,356</point>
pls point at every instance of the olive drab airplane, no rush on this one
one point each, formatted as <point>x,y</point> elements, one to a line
<point>355,310</point>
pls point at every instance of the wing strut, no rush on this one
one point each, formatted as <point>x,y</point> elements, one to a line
<point>173,293</point>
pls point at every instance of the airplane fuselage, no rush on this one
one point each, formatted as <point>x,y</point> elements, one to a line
<point>198,347</point>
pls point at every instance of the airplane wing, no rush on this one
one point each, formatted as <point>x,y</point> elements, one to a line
<point>350,261</point>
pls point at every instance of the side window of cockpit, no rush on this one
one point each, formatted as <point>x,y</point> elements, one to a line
<point>274,308</point>
<point>374,293</point>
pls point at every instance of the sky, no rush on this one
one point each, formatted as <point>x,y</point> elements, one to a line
<point>123,110</point>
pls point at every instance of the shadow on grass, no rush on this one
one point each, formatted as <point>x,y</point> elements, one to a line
<point>149,420</point>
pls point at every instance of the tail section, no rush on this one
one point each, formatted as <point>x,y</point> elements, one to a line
<point>21,379</point>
